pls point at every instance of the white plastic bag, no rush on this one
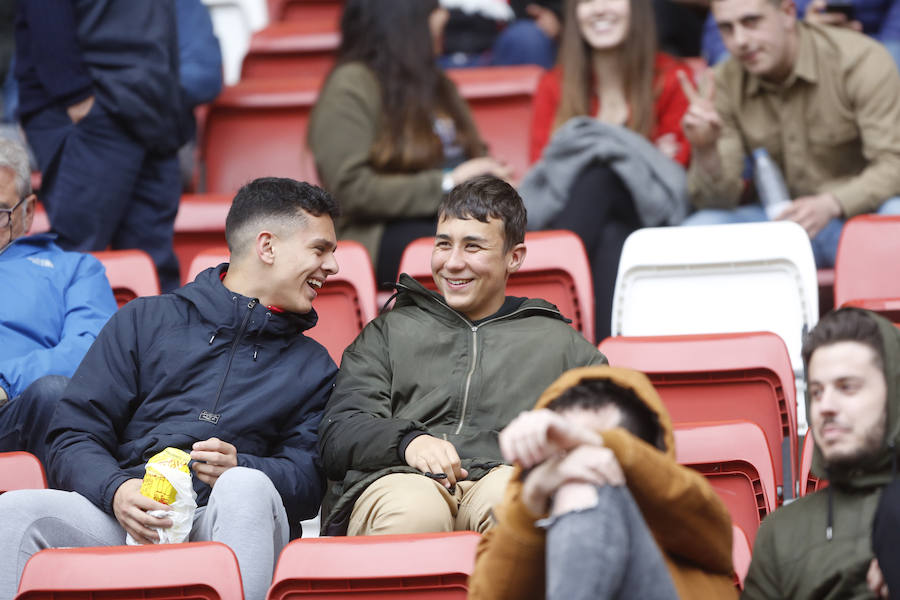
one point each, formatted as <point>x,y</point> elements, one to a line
<point>181,511</point>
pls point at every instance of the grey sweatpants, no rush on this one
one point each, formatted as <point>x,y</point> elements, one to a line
<point>605,552</point>
<point>244,512</point>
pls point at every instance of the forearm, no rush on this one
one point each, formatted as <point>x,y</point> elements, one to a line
<point>686,516</point>
<point>866,192</point>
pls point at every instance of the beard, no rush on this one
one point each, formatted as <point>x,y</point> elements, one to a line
<point>871,447</point>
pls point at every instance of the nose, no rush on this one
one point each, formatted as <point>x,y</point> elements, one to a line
<point>740,36</point>
<point>455,260</point>
<point>825,402</point>
<point>330,264</point>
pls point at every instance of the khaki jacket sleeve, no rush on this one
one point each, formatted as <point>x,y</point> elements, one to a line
<point>509,563</point>
<point>873,85</point>
<point>723,191</point>
<point>682,510</point>
<point>342,130</point>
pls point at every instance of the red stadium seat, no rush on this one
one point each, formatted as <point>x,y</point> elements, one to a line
<point>740,554</point>
<point>809,483</point>
<point>867,272</point>
<point>734,457</point>
<point>288,49</point>
<point>416,567</point>
<point>298,10</point>
<point>556,269</point>
<point>131,274</point>
<point>500,99</point>
<point>197,570</point>
<point>344,304</point>
<point>200,224</point>
<point>719,377</point>
<point>21,471</point>
<point>258,128</point>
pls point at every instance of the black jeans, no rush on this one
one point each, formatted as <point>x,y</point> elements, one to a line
<point>601,212</point>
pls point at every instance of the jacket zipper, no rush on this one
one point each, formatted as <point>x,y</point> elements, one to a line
<point>234,346</point>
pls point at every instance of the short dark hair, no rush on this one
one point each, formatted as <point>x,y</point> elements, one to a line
<point>488,197</point>
<point>845,325</point>
<point>637,417</point>
<point>275,198</point>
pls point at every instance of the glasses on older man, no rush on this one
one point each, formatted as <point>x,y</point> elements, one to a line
<point>7,213</point>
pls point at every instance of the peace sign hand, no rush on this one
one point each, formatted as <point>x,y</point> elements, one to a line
<point>701,122</point>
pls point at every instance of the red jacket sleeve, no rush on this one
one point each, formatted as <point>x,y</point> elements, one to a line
<point>671,104</point>
<point>546,102</point>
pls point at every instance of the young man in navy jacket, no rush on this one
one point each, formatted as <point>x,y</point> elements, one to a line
<point>219,368</point>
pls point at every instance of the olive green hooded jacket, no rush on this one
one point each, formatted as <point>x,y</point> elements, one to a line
<point>821,545</point>
<point>425,367</point>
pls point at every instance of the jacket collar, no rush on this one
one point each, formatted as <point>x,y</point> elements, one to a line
<point>227,310</point>
<point>27,245</point>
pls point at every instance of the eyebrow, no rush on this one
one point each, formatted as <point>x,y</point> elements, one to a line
<point>323,242</point>
<point>468,238</point>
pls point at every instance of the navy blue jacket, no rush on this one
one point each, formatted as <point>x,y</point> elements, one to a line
<point>200,362</point>
<point>124,52</point>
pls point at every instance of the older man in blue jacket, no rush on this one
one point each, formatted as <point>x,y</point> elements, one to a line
<point>221,369</point>
<point>54,305</point>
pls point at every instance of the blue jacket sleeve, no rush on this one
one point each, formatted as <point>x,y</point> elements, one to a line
<point>95,408</point>
<point>890,25</point>
<point>54,49</point>
<point>294,466</point>
<point>89,303</point>
<point>199,53</point>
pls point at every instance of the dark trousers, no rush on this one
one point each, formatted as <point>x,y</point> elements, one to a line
<point>102,189</point>
<point>601,211</point>
<point>397,234</point>
<point>24,419</point>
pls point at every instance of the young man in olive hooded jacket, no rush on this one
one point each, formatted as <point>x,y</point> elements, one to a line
<point>409,437</point>
<point>820,546</point>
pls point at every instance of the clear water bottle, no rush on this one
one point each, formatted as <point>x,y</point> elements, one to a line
<point>770,186</point>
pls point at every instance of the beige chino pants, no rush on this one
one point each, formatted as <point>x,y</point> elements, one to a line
<point>412,503</point>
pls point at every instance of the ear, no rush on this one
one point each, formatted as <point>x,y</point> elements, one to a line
<point>515,257</point>
<point>789,8</point>
<point>30,203</point>
<point>265,247</point>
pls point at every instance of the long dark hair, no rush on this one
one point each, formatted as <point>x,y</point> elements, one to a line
<point>393,39</point>
<point>637,57</point>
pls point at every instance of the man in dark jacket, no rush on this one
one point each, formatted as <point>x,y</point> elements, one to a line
<point>220,369</point>
<point>821,545</point>
<point>410,434</point>
<point>101,105</point>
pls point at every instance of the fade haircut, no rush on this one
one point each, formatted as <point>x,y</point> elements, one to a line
<point>845,325</point>
<point>274,199</point>
<point>488,197</point>
<point>14,157</point>
<point>637,417</point>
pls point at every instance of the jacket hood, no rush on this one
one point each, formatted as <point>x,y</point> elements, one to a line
<point>635,381</point>
<point>227,310</point>
<point>880,469</point>
<point>409,292</point>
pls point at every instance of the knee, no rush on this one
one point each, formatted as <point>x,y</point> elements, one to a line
<point>891,206</point>
<point>243,484</point>
<point>523,42</point>
<point>46,390</point>
<point>401,503</point>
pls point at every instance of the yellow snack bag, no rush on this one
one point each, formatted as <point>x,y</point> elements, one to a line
<point>155,485</point>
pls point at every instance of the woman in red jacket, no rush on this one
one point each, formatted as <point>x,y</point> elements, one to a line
<point>609,68</point>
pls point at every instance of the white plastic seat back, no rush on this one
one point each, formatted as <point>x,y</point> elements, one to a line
<point>234,21</point>
<point>718,279</point>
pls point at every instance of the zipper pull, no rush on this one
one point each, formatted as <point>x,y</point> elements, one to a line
<point>252,303</point>
<point>474,328</point>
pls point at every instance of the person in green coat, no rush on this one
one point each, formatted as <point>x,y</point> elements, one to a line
<point>409,438</point>
<point>820,546</point>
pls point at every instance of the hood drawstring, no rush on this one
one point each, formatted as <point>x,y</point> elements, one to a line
<point>893,451</point>
<point>213,335</point>
<point>257,347</point>
<point>829,529</point>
